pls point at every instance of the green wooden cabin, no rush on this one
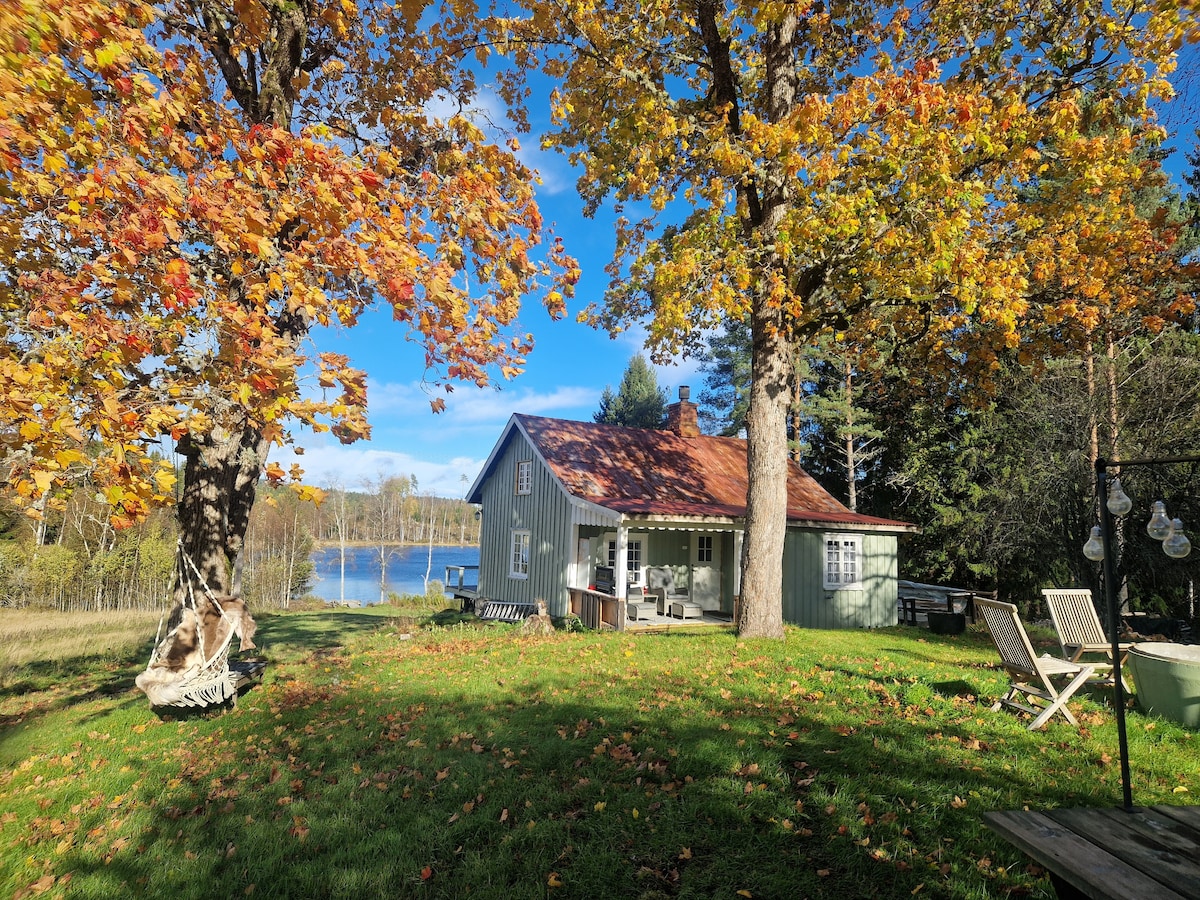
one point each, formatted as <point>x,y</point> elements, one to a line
<point>564,502</point>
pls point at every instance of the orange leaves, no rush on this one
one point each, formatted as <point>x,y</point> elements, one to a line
<point>175,248</point>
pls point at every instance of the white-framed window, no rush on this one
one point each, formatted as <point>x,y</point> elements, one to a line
<point>633,559</point>
<point>518,561</point>
<point>524,476</point>
<point>843,562</point>
<point>704,548</point>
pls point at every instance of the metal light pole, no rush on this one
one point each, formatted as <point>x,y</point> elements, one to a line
<point>1110,598</point>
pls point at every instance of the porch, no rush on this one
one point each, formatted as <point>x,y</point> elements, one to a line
<point>603,611</point>
<point>681,573</point>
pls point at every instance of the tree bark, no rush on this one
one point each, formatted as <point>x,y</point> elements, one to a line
<point>760,612</point>
<point>851,459</point>
<point>221,471</point>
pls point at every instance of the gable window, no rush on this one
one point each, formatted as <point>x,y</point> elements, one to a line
<point>704,548</point>
<point>524,476</point>
<point>843,562</point>
<point>518,561</point>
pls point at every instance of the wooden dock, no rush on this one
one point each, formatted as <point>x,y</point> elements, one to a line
<point>458,585</point>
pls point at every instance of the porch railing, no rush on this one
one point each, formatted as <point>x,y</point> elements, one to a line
<point>596,610</point>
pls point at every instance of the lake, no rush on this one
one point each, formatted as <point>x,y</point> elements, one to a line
<point>405,571</point>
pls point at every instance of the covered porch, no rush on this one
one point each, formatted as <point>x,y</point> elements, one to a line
<point>602,611</point>
<point>647,573</point>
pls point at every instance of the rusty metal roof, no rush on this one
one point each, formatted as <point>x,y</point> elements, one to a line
<point>640,471</point>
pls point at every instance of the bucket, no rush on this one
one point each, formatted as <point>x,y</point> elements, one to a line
<point>1166,678</point>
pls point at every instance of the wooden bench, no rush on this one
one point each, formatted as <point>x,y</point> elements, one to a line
<point>499,611</point>
<point>1110,854</point>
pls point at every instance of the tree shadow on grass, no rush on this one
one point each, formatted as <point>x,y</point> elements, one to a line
<point>350,788</point>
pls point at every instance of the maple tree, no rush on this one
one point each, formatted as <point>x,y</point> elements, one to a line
<point>190,191</point>
<point>853,169</point>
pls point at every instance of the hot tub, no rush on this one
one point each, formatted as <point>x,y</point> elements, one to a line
<point>1166,678</point>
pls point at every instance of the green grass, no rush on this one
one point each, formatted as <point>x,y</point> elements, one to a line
<point>460,762</point>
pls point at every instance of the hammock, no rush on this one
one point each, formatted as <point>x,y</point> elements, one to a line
<point>189,665</point>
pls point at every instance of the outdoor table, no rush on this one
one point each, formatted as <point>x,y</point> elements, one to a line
<point>1110,854</point>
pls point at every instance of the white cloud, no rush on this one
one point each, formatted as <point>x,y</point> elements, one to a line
<point>470,426</point>
<point>354,466</point>
<point>469,405</point>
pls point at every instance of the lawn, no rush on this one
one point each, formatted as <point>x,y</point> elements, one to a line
<point>382,758</point>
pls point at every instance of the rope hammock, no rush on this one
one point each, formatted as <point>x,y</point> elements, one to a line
<point>189,665</point>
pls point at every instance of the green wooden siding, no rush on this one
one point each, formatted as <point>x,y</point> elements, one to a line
<point>807,603</point>
<point>545,512</point>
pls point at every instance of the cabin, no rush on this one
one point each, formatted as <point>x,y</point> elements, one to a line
<point>631,526</point>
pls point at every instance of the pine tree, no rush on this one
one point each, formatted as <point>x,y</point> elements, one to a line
<point>640,402</point>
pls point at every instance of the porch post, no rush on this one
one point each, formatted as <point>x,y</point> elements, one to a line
<point>737,562</point>
<point>621,568</point>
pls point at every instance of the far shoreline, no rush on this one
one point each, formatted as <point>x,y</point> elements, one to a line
<point>335,545</point>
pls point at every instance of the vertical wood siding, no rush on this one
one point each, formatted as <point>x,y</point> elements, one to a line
<point>545,512</point>
<point>808,604</point>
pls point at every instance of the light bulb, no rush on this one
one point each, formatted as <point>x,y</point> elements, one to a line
<point>1159,526</point>
<point>1119,503</point>
<point>1094,548</point>
<point>1177,546</point>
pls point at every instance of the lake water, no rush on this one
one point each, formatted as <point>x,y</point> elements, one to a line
<point>405,571</point>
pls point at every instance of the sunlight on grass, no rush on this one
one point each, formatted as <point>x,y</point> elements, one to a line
<point>29,635</point>
<point>384,759</point>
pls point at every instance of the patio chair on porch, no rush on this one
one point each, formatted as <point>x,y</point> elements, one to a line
<point>1079,631</point>
<point>638,604</point>
<point>1031,687</point>
<point>661,582</point>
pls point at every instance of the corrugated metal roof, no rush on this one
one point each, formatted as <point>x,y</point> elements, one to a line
<point>637,471</point>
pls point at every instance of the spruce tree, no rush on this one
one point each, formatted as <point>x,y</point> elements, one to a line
<point>639,403</point>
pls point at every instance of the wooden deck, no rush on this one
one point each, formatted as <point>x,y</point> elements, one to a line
<point>1110,854</point>
<point>460,588</point>
<point>603,611</point>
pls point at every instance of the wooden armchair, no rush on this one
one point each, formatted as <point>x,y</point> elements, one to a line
<point>1079,631</point>
<point>1031,687</point>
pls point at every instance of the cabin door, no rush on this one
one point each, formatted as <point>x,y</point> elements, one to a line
<point>706,569</point>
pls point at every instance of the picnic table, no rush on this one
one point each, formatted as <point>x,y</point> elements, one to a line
<point>1110,854</point>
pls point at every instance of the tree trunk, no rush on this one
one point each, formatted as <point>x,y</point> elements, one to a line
<point>760,613</point>
<point>761,607</point>
<point>221,472</point>
<point>222,468</point>
<point>851,459</point>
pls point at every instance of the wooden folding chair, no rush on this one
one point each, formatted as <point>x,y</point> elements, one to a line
<point>1032,677</point>
<point>1079,631</point>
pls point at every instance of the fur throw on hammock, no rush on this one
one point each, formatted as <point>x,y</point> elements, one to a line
<point>193,653</point>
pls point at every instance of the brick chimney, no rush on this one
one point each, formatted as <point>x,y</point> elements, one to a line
<point>682,417</point>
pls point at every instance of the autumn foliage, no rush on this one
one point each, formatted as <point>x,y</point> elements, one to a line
<point>189,189</point>
<point>948,182</point>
